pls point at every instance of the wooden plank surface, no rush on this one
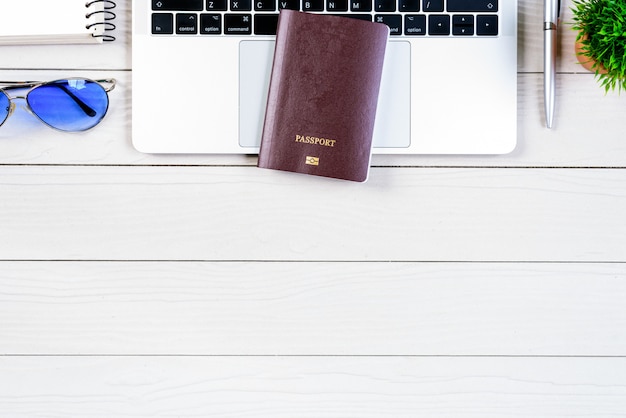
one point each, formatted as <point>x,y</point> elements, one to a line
<point>578,139</point>
<point>246,213</point>
<point>381,309</point>
<point>312,387</point>
<point>447,286</point>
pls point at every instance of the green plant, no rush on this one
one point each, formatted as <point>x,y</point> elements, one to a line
<point>601,26</point>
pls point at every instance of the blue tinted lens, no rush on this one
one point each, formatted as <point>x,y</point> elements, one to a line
<point>5,105</point>
<point>69,105</point>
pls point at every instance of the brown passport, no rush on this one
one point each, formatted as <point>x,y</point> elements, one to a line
<point>323,94</point>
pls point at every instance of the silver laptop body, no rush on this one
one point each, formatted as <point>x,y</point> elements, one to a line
<point>449,83</point>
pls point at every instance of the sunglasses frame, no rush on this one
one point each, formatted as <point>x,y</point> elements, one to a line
<point>107,84</point>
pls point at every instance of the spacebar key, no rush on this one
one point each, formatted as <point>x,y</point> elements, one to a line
<point>473,5</point>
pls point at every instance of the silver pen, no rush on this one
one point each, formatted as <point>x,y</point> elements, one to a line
<point>551,12</point>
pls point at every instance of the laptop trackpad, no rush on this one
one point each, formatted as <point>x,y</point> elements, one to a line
<point>393,118</point>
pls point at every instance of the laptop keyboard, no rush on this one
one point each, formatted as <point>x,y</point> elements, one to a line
<point>469,18</point>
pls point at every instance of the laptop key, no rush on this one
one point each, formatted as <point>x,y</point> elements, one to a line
<point>487,25</point>
<point>463,25</point>
<point>433,5</point>
<point>409,5</point>
<point>439,25</point>
<point>472,5</point>
<point>210,24</point>
<point>393,21</point>
<point>238,24</point>
<point>265,5</point>
<point>289,4</point>
<point>415,25</point>
<point>265,24</point>
<point>181,5</point>
<point>240,5</point>
<point>162,23</point>
<point>361,6</point>
<point>359,16</point>
<point>186,24</point>
<point>313,5</point>
<point>337,5</point>
<point>385,5</point>
<point>217,5</point>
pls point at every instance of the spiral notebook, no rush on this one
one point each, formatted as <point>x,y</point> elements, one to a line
<point>37,22</point>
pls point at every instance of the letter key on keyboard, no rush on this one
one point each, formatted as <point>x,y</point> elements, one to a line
<point>259,17</point>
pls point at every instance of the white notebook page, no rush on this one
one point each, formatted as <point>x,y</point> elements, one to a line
<point>49,21</point>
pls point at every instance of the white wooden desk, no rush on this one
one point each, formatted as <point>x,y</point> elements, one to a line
<point>174,286</point>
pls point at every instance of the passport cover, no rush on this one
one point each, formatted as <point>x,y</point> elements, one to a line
<point>322,97</point>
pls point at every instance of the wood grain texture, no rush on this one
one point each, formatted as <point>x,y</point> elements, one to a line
<point>245,213</point>
<point>580,137</point>
<point>312,387</point>
<point>136,285</point>
<point>321,308</point>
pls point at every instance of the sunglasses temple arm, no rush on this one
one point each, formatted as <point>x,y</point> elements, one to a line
<point>111,82</point>
<point>88,110</point>
<point>15,85</point>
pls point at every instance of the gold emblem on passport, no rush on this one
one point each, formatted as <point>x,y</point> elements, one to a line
<point>312,160</point>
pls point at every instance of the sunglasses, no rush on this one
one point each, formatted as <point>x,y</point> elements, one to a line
<point>70,104</point>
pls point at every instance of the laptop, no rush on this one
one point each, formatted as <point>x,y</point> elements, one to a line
<point>201,73</point>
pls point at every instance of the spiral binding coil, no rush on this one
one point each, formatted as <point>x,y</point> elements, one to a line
<point>108,5</point>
